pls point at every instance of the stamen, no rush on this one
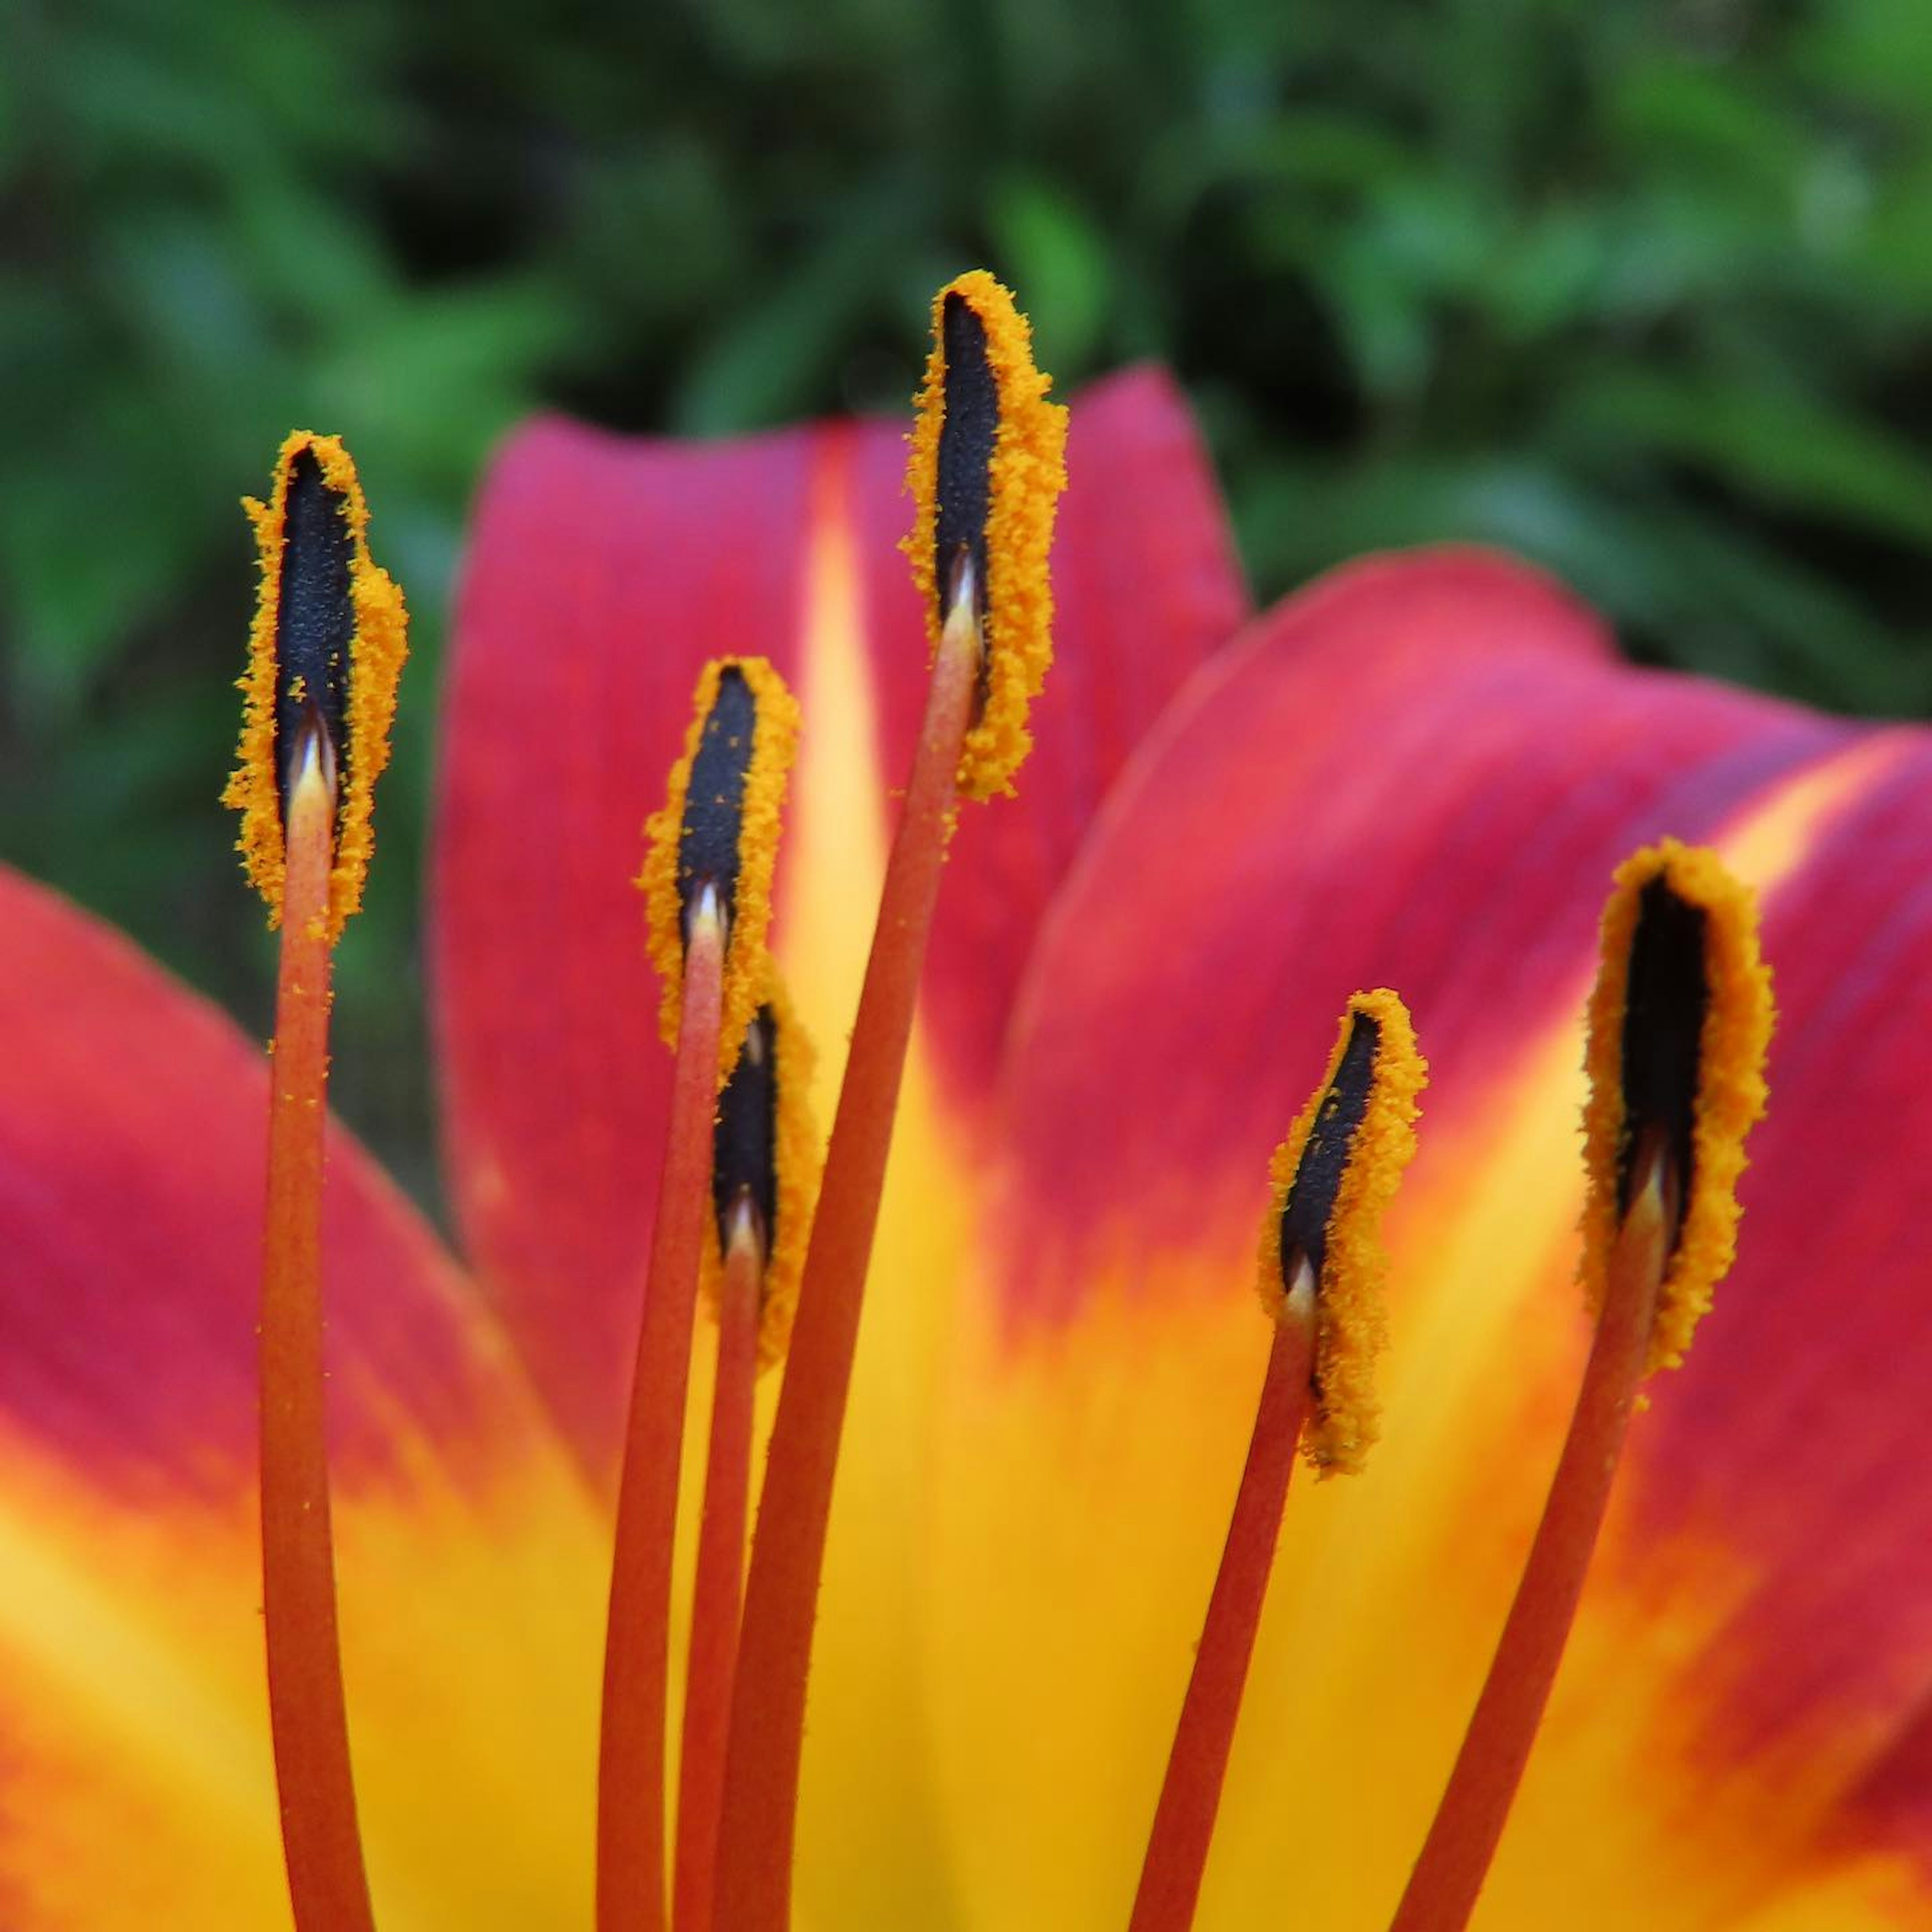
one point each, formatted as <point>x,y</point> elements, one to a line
<point>1679,1021</point>
<point>987,467</point>
<point>327,643</point>
<point>764,1185</point>
<point>324,652</point>
<point>707,880</point>
<point>755,1853</point>
<point>716,1594</point>
<point>1321,1270</point>
<point>631,1746</point>
<point>328,1889</point>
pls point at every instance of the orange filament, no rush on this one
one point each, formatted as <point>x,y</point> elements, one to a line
<point>755,1850</point>
<point>716,1595</point>
<point>1468,1824</point>
<point>1183,1821</point>
<point>327,1888</point>
<point>631,1746</point>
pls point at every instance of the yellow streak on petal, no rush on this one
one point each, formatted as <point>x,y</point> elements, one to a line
<point>1777,834</point>
<point>376,665</point>
<point>1090,1470</point>
<point>139,1785</point>
<point>140,1780</point>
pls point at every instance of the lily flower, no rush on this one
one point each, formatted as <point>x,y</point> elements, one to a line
<point>1420,772</point>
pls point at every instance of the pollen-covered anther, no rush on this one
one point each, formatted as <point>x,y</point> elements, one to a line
<point>718,827</point>
<point>1679,1022</point>
<point>325,653</point>
<point>1322,1251</point>
<point>988,464</point>
<point>765,1164</point>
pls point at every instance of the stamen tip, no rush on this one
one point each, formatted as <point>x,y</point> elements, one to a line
<point>325,651</point>
<point>988,464</point>
<point>1680,1021</point>
<point>714,841</point>
<point>1321,1247</point>
<point>765,1162</point>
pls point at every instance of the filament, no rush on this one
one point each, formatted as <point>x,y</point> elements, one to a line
<point>718,1592</point>
<point>1455,1858</point>
<point>631,1746</point>
<point>328,1890</point>
<point>1183,1821</point>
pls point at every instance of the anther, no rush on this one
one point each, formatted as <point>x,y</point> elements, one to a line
<point>718,832</point>
<point>315,618</point>
<point>324,652</point>
<point>744,1141</point>
<point>968,438</point>
<point>708,857</point>
<point>988,465</point>
<point>1680,1020</point>
<point>1334,1177</point>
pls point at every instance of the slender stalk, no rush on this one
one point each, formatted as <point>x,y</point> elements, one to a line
<point>719,1590</point>
<point>637,1653</point>
<point>1456,1857</point>
<point>1183,1821</point>
<point>328,1890</point>
<point>754,1852</point>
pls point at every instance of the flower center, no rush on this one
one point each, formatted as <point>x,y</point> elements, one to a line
<point>1677,1027</point>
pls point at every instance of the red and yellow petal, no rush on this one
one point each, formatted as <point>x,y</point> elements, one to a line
<point>603,572</point>
<point>1420,774</point>
<point>136,1788</point>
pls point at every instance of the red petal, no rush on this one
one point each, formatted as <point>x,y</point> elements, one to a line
<point>132,1129</point>
<point>603,572</point>
<point>1418,774</point>
<point>140,1781</point>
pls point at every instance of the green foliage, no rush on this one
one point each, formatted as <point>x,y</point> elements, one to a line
<point>1642,291</point>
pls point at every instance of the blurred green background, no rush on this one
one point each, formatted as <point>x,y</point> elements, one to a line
<point>1642,289</point>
